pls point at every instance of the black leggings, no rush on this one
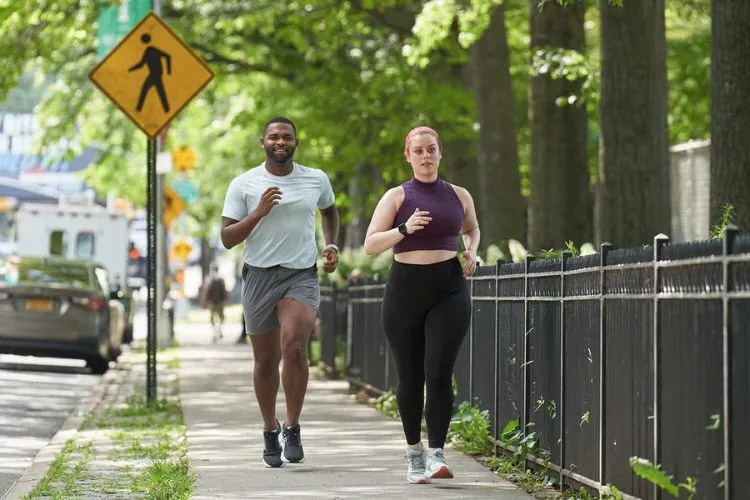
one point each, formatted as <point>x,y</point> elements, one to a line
<point>426,313</point>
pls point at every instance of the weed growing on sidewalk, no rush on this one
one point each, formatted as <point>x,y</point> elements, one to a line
<point>469,430</point>
<point>131,449</point>
<point>68,471</point>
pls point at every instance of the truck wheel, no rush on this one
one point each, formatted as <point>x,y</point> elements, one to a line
<point>98,366</point>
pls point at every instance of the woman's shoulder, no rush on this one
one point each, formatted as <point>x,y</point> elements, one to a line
<point>463,195</point>
<point>395,195</point>
<point>461,192</point>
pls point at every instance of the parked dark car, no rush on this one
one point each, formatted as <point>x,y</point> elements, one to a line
<point>62,308</point>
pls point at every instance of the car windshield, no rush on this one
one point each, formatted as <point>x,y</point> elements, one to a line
<point>55,273</point>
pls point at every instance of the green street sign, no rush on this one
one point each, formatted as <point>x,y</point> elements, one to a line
<point>116,21</point>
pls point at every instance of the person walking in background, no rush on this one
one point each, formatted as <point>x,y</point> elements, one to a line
<point>272,209</point>
<point>426,307</point>
<point>213,297</point>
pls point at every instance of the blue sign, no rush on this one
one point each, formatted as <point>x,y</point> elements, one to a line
<point>185,190</point>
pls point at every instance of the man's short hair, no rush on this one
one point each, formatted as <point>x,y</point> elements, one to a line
<point>279,119</point>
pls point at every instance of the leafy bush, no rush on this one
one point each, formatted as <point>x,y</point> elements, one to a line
<point>525,444</point>
<point>388,405</point>
<point>355,263</point>
<point>469,430</point>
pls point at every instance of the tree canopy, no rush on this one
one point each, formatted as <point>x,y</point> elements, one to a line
<point>355,75</point>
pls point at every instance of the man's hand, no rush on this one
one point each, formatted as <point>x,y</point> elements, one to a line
<point>270,199</point>
<point>331,256</point>
<point>471,264</point>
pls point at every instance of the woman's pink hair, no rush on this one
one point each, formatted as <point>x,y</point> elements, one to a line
<point>420,131</point>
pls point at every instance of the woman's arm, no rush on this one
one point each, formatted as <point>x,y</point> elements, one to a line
<point>380,237</point>
<point>469,230</point>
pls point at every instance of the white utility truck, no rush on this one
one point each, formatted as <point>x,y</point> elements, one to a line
<point>77,228</point>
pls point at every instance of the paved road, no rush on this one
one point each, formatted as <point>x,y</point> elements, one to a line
<point>36,397</point>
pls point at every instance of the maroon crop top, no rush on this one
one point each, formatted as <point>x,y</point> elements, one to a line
<point>440,199</point>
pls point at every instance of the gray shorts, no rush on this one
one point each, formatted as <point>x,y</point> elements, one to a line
<point>263,288</point>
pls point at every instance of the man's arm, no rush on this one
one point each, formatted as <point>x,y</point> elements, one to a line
<point>234,232</point>
<point>330,223</point>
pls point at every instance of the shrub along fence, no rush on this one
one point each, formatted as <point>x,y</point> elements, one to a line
<point>641,352</point>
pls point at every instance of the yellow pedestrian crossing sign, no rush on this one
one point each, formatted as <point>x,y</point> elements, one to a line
<point>151,75</point>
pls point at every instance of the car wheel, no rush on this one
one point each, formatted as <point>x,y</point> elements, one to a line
<point>114,354</point>
<point>98,366</point>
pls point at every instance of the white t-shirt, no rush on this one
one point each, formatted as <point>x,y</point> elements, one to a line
<point>286,235</point>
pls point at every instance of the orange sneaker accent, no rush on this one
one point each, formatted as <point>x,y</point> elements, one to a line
<point>443,473</point>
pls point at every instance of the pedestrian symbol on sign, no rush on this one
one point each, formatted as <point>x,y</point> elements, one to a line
<point>152,58</point>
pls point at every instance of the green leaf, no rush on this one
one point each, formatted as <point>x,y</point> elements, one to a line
<point>716,422</point>
<point>652,473</point>
<point>511,427</point>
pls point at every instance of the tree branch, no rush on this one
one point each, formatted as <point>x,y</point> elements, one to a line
<point>214,57</point>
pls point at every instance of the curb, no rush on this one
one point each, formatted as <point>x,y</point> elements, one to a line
<point>42,461</point>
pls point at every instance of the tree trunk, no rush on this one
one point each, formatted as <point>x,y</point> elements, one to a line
<point>459,163</point>
<point>561,204</point>
<point>500,205</point>
<point>634,166</point>
<point>730,109</point>
<point>355,211</point>
<point>364,187</point>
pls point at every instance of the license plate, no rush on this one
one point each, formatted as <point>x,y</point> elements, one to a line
<point>39,305</point>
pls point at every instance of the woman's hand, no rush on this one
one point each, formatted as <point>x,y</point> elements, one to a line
<point>470,266</point>
<point>418,220</point>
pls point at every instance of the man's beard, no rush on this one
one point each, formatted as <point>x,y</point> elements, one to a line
<point>280,157</point>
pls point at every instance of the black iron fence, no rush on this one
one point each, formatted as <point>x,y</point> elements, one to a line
<point>639,352</point>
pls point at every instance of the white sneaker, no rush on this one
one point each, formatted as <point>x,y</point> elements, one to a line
<point>436,467</point>
<point>416,459</point>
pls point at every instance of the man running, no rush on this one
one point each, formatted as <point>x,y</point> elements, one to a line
<point>272,209</point>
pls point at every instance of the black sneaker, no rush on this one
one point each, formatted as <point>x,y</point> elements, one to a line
<point>291,445</point>
<point>272,450</point>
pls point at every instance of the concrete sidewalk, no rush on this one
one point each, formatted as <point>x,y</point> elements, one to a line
<point>351,450</point>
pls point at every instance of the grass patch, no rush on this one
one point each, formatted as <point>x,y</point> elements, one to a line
<point>137,449</point>
<point>165,480</point>
<point>172,364</point>
<point>68,471</point>
<point>151,435</point>
<point>139,347</point>
<point>163,414</point>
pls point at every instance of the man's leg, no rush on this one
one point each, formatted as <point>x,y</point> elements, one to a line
<point>267,355</point>
<point>297,321</point>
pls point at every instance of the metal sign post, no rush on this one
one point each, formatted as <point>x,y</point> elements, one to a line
<point>151,75</point>
<point>151,279</point>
